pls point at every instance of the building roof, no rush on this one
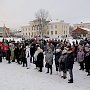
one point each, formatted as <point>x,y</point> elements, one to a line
<point>86,29</point>
<point>57,21</point>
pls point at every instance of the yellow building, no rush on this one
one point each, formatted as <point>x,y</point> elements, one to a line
<point>53,29</point>
<point>57,29</point>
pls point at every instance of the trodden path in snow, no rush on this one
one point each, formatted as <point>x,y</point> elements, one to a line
<point>16,77</point>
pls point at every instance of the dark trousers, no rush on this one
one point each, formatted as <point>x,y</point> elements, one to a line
<point>0,59</point>
<point>57,66</point>
<point>17,59</point>
<point>40,69</point>
<point>9,60</point>
<point>71,74</point>
<point>49,67</point>
<point>24,61</point>
<point>81,65</point>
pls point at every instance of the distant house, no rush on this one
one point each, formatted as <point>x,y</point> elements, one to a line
<point>4,32</point>
<point>80,32</point>
<point>1,31</point>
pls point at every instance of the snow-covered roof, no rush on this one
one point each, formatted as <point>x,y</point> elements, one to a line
<point>86,29</point>
<point>56,20</point>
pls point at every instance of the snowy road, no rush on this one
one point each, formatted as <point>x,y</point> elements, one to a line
<point>16,77</point>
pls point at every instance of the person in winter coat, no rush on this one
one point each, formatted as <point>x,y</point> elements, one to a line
<point>87,60</point>
<point>1,55</point>
<point>49,60</point>
<point>40,58</point>
<point>69,64</point>
<point>62,63</point>
<point>16,53</point>
<point>23,56</point>
<point>39,50</point>
<point>12,53</point>
<point>8,55</point>
<point>80,59</point>
<point>57,56</point>
<point>28,56</point>
<point>32,51</point>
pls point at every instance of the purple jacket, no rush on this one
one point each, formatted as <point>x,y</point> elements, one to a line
<point>80,56</point>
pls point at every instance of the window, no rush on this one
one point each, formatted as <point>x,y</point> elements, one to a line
<point>29,33</point>
<point>26,33</point>
<point>48,33</point>
<point>55,26</point>
<point>26,29</point>
<point>32,28</point>
<point>55,32</point>
<point>51,32</point>
<point>32,33</point>
<point>51,27</point>
<point>29,29</point>
<point>66,27</point>
<point>37,27</point>
<point>23,33</point>
<point>64,32</point>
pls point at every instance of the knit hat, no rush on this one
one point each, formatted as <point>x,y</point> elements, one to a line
<point>64,51</point>
<point>57,50</point>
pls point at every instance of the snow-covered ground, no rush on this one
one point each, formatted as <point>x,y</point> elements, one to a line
<point>12,38</point>
<point>16,77</point>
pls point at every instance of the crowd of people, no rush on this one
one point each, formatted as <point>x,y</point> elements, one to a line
<point>60,52</point>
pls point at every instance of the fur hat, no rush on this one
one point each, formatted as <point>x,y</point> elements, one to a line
<point>38,48</point>
<point>57,50</point>
<point>64,51</point>
<point>87,45</point>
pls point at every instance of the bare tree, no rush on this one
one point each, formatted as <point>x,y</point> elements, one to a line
<point>43,18</point>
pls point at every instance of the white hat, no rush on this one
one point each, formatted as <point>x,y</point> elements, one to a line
<point>64,51</point>
<point>87,45</point>
<point>57,50</point>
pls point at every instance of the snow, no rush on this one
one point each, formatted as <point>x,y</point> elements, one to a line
<point>16,77</point>
<point>12,38</point>
<point>86,29</point>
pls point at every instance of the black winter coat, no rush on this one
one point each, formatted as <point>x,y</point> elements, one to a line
<point>8,55</point>
<point>16,52</point>
<point>57,56</point>
<point>32,50</point>
<point>40,58</point>
<point>70,61</point>
<point>87,60</point>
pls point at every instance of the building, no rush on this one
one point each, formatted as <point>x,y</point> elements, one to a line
<point>80,32</point>
<point>4,32</point>
<point>1,31</point>
<point>52,29</point>
<point>57,29</point>
<point>82,25</point>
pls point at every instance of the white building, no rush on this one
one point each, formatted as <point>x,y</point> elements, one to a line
<point>82,25</point>
<point>58,29</point>
<point>53,29</point>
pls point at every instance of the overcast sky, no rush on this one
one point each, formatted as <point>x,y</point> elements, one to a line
<point>15,13</point>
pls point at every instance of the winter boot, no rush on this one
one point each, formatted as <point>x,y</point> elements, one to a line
<point>70,81</point>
